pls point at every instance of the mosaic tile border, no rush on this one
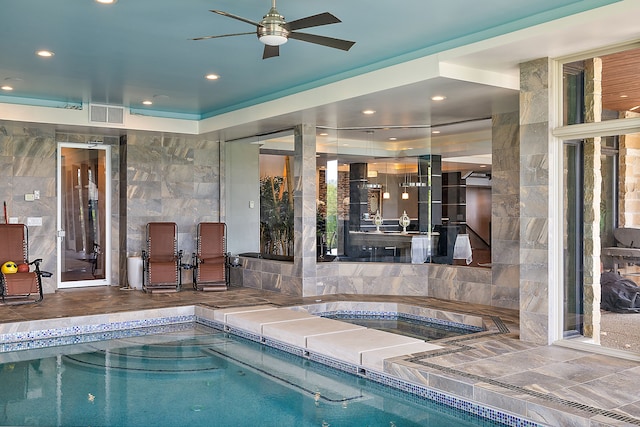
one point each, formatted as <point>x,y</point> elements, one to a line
<point>481,411</point>
<point>288,348</point>
<point>210,323</point>
<point>20,340</point>
<point>394,315</point>
<point>84,338</point>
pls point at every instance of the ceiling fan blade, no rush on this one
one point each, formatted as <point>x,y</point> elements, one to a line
<point>222,35</point>
<point>312,21</point>
<point>270,51</point>
<point>239,18</point>
<point>322,40</point>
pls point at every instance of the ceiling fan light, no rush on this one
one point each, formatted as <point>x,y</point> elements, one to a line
<point>273,39</point>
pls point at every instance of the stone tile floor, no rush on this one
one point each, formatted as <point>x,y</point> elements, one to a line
<point>549,384</point>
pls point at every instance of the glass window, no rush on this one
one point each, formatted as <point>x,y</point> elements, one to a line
<point>384,195</point>
<point>276,198</point>
<point>601,234</point>
<point>601,88</point>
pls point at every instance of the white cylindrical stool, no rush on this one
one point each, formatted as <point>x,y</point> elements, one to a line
<point>134,272</point>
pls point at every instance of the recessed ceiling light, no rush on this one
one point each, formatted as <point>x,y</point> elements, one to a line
<point>5,87</point>
<point>45,53</point>
<point>624,96</point>
<point>147,102</point>
<point>324,134</point>
<point>212,77</point>
<point>438,98</point>
<point>435,131</point>
<point>368,112</point>
<point>107,1</point>
<point>393,138</point>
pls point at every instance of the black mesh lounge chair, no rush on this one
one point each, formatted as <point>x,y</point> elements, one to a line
<point>210,262</point>
<point>24,286</point>
<point>161,261</point>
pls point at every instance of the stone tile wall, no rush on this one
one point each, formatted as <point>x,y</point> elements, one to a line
<point>28,163</point>
<point>457,283</point>
<point>174,178</point>
<point>534,201</point>
<point>505,210</point>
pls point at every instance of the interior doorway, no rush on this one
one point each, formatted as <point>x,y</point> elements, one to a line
<point>84,210</point>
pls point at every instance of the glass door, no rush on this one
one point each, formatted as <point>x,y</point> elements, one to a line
<point>573,233</point>
<point>84,210</point>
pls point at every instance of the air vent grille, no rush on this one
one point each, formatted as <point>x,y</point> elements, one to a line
<point>111,114</point>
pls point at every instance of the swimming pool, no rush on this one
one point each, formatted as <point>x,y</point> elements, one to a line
<point>195,375</point>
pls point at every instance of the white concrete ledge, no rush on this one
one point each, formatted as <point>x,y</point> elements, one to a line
<point>254,321</point>
<point>349,345</point>
<point>298,333</point>
<point>342,341</point>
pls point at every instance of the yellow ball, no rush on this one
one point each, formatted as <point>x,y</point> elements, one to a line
<point>9,267</point>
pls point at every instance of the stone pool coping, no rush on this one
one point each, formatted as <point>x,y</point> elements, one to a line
<point>73,330</point>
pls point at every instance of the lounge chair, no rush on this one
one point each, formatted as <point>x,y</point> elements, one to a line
<point>23,286</point>
<point>161,261</point>
<point>210,262</point>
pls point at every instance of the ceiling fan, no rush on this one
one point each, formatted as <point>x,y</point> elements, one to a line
<point>274,31</point>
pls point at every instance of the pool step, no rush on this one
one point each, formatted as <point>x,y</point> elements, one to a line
<point>158,357</point>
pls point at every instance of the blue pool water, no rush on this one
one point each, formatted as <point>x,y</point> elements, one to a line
<point>197,376</point>
<point>402,325</point>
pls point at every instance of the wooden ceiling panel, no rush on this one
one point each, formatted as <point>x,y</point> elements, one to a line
<point>621,81</point>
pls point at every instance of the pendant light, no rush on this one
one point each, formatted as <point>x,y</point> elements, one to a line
<point>386,194</point>
<point>405,195</point>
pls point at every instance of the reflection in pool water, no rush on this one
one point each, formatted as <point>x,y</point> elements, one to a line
<point>199,376</point>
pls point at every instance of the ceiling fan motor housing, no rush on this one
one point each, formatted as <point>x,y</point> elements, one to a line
<point>271,30</point>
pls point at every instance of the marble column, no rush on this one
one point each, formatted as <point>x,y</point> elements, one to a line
<point>534,201</point>
<point>505,210</point>
<point>304,202</point>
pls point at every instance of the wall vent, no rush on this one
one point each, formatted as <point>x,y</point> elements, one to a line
<point>112,114</point>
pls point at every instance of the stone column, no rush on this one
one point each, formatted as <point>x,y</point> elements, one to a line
<point>534,201</point>
<point>592,199</point>
<point>304,203</point>
<point>505,211</point>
